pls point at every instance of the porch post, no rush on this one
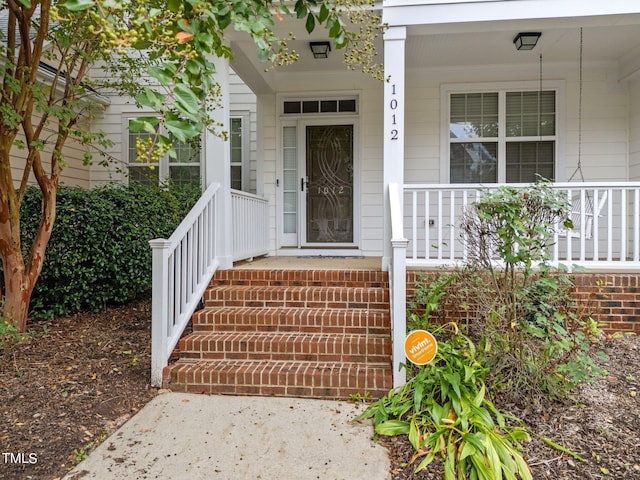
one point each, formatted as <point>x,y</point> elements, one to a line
<point>393,153</point>
<point>217,169</point>
<point>394,256</point>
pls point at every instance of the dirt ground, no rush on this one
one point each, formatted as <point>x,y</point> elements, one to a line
<point>78,378</point>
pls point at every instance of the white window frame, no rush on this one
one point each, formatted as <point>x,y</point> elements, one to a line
<point>300,121</point>
<point>244,164</point>
<point>164,163</point>
<point>501,88</point>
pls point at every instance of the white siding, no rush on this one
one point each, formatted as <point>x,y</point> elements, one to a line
<point>266,148</point>
<point>75,173</point>
<point>371,202</point>
<point>634,131</point>
<point>604,125</point>
<point>243,101</point>
<point>112,124</point>
<point>605,142</point>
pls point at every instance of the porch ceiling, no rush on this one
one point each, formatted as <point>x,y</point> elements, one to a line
<point>613,38</point>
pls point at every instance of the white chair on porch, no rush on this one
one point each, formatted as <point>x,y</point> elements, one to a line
<point>591,210</point>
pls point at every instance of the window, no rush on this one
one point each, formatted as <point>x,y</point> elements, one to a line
<point>181,169</point>
<point>329,105</point>
<point>502,136</point>
<point>237,153</point>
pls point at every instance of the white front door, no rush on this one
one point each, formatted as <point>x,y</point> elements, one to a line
<point>318,185</point>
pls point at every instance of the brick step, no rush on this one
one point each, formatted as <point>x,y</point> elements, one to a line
<point>303,333</point>
<point>302,278</point>
<point>244,319</point>
<point>294,347</point>
<point>297,297</point>
<point>291,379</point>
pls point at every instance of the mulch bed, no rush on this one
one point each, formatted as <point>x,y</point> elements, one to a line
<point>68,387</point>
<point>78,378</point>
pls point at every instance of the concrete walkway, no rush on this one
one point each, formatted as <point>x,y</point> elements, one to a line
<point>196,437</point>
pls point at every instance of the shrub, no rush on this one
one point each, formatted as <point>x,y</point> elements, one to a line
<point>99,252</point>
<point>537,341</point>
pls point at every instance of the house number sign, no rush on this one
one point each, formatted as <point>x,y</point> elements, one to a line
<point>393,105</point>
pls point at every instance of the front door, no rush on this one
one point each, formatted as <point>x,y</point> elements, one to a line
<point>317,192</point>
<point>327,186</point>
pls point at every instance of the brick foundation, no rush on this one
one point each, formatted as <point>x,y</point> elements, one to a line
<point>613,298</point>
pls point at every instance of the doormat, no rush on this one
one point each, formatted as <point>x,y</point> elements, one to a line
<point>332,256</point>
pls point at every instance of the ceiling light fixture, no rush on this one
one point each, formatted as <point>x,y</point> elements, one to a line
<point>526,40</point>
<point>320,49</point>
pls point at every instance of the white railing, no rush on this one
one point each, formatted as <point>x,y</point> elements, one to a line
<point>398,285</point>
<point>250,225</point>
<point>183,265</point>
<point>606,217</point>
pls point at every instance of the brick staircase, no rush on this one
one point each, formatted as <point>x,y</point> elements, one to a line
<point>298,333</point>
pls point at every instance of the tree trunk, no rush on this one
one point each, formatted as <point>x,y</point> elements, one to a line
<point>17,291</point>
<point>20,277</point>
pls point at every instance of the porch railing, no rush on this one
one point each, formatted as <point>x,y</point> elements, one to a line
<point>606,217</point>
<point>606,234</point>
<point>250,225</point>
<point>183,265</point>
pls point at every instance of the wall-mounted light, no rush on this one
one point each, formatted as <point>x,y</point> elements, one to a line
<point>526,40</point>
<point>320,49</point>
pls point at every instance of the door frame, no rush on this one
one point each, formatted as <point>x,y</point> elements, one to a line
<point>301,122</point>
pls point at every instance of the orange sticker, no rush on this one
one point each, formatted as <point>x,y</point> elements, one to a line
<point>420,347</point>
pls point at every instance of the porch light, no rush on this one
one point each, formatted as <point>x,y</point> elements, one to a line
<point>320,49</point>
<point>526,40</point>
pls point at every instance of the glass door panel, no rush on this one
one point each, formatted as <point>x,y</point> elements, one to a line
<point>329,184</point>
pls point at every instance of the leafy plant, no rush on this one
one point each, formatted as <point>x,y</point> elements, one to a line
<point>444,411</point>
<point>99,252</point>
<point>538,340</point>
<point>426,300</point>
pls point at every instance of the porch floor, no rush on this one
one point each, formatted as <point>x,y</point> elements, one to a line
<point>311,263</point>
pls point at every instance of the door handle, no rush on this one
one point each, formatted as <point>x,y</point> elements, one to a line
<point>302,184</point>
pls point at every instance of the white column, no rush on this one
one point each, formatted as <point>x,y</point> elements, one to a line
<point>394,98</point>
<point>217,168</point>
<point>393,173</point>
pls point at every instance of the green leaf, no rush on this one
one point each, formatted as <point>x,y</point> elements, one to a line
<point>300,9</point>
<point>174,5</point>
<point>310,24</point>
<point>143,124</point>
<point>392,427</point>
<point>26,3</point>
<point>324,13</point>
<point>414,435</point>
<point>334,29</point>
<point>150,98</point>
<point>74,5</point>
<point>449,463</point>
<point>182,130</point>
<point>163,75</point>
<point>425,462</point>
<point>186,99</point>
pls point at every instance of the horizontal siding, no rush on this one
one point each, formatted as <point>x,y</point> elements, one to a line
<point>112,124</point>
<point>605,146</point>
<point>634,131</point>
<point>75,173</point>
<point>243,100</point>
<point>372,200</point>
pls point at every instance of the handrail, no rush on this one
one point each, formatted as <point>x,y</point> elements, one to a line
<point>182,267</point>
<point>606,217</point>
<point>398,284</point>
<point>250,225</point>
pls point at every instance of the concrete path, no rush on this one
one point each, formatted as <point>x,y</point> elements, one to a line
<point>196,437</point>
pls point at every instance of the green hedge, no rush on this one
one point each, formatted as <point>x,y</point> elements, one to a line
<point>99,250</point>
